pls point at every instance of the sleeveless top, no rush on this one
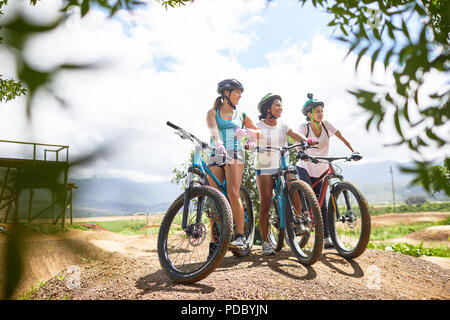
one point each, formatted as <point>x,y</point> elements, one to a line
<point>227,129</point>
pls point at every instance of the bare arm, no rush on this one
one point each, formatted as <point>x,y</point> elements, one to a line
<point>296,136</point>
<point>255,131</point>
<point>212,126</point>
<point>339,135</point>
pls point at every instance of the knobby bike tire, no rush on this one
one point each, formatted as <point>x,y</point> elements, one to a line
<point>249,227</point>
<point>275,234</point>
<point>317,225</point>
<point>365,220</point>
<point>224,212</point>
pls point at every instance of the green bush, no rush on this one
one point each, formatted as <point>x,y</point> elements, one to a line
<point>411,250</point>
<point>429,206</point>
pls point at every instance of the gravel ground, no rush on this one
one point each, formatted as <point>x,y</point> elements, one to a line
<point>119,267</point>
<point>374,275</point>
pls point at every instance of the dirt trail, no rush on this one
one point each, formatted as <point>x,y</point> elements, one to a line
<point>114,266</point>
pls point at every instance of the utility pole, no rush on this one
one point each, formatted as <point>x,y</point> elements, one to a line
<point>393,190</point>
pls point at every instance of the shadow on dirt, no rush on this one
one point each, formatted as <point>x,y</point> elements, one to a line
<point>159,281</point>
<point>283,263</point>
<point>335,262</point>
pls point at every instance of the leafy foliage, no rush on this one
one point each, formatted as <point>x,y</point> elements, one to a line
<point>10,89</point>
<point>379,28</point>
<point>411,250</point>
<point>425,207</point>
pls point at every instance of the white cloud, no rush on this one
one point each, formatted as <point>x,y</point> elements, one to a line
<point>164,65</point>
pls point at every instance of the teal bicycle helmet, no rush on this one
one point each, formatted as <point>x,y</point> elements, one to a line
<point>310,104</point>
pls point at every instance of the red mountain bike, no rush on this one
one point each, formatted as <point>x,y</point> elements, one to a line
<point>348,210</point>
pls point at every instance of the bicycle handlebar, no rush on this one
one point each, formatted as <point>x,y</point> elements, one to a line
<point>186,135</point>
<point>313,159</point>
<point>170,124</point>
<point>304,145</point>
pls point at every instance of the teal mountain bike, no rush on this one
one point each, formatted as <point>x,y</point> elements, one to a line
<point>198,216</point>
<point>295,212</point>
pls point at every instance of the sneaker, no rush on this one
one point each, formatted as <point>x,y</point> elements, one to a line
<point>267,249</point>
<point>239,242</point>
<point>212,248</point>
<point>328,243</point>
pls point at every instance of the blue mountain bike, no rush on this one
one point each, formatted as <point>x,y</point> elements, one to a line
<point>202,214</point>
<point>295,212</point>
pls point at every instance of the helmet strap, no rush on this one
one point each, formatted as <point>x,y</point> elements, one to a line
<point>314,120</point>
<point>271,115</point>
<point>229,101</point>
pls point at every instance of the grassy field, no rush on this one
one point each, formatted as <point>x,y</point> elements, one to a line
<point>403,207</point>
<point>381,233</point>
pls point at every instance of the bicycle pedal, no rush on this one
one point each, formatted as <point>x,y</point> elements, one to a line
<point>233,246</point>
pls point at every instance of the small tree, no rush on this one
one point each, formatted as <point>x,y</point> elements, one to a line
<point>416,199</point>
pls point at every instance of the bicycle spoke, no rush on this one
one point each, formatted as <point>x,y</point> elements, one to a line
<point>304,228</point>
<point>351,229</point>
<point>188,249</point>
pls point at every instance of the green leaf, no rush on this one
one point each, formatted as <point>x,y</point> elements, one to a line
<point>362,31</point>
<point>84,7</point>
<point>430,134</point>
<point>397,123</point>
<point>405,111</point>
<point>405,30</point>
<point>360,55</point>
<point>374,59</point>
<point>388,56</point>
<point>391,29</point>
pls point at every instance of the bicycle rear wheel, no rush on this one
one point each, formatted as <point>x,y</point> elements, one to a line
<point>304,234</point>
<point>249,225</point>
<point>348,219</point>
<point>275,234</point>
<point>184,254</point>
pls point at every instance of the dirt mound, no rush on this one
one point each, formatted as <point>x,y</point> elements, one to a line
<point>116,266</point>
<point>395,218</point>
<point>374,275</point>
<point>94,226</point>
<point>435,233</point>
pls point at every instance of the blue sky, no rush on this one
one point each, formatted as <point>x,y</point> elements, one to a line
<point>285,23</point>
<point>164,65</point>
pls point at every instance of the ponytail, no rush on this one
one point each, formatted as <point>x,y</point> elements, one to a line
<point>218,103</point>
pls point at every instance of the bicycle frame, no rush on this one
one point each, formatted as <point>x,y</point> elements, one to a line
<point>199,163</point>
<point>327,175</point>
<point>280,189</point>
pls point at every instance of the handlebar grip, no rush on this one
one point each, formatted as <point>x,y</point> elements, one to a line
<point>170,124</point>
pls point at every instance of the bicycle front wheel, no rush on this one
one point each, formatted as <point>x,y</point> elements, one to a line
<point>348,219</point>
<point>185,254</point>
<point>249,224</point>
<point>304,227</point>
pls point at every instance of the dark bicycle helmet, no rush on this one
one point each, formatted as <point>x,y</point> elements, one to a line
<point>229,84</point>
<point>310,104</point>
<point>265,103</point>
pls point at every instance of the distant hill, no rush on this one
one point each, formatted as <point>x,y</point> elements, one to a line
<point>105,196</point>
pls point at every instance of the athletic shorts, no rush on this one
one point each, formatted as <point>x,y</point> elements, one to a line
<point>266,172</point>
<point>219,160</point>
